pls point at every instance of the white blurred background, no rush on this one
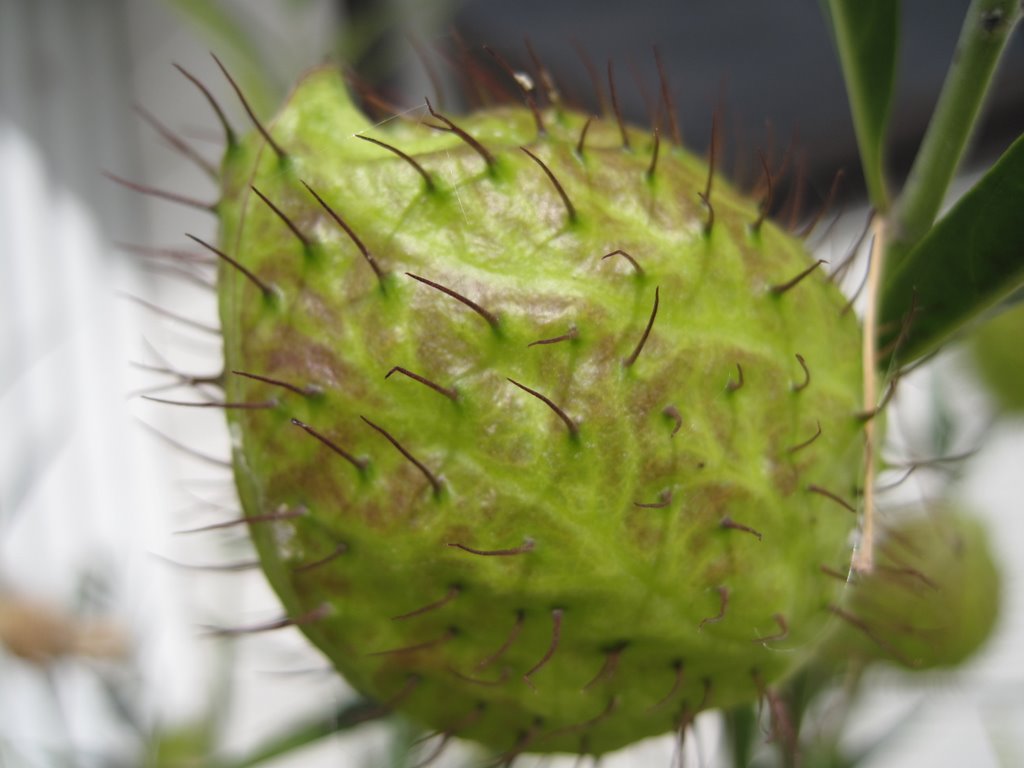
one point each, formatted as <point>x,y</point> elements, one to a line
<point>91,495</point>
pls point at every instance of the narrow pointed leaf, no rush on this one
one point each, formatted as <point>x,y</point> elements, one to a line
<point>347,717</point>
<point>970,260</point>
<point>867,37</point>
<point>983,38</point>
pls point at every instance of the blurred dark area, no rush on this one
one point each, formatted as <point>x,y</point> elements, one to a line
<point>769,68</point>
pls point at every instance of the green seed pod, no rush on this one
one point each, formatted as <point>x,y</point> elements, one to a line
<point>999,355</point>
<point>543,435</point>
<point>932,599</point>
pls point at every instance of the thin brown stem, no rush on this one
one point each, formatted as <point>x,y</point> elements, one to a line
<point>281,154</point>
<point>359,463</point>
<point>448,392</point>
<point>490,317</point>
<point>434,481</point>
<point>628,362</point>
<point>350,232</point>
<point>630,259</point>
<point>863,558</point>
<point>427,178</point>
<point>477,147</point>
<point>229,133</point>
<point>306,242</point>
<point>267,290</point>
<point>173,197</point>
<point>781,288</point>
<point>177,142</point>
<point>570,209</point>
<point>615,106</point>
<point>527,546</point>
<point>556,633</point>
<point>572,426</point>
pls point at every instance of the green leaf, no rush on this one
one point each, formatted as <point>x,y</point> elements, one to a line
<point>983,39</point>
<point>345,718</point>
<point>186,745</point>
<point>741,733</point>
<point>867,37</point>
<point>970,260</point>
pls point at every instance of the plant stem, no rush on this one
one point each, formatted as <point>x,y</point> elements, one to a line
<point>982,39</point>
<point>864,557</point>
<point>740,731</point>
<point>866,34</point>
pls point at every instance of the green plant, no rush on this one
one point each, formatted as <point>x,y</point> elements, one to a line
<point>651,449</point>
<point>931,599</point>
<point>999,357</point>
<point>323,340</point>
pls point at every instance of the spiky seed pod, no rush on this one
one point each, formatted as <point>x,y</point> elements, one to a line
<point>932,599</point>
<point>582,435</point>
<point>999,356</point>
